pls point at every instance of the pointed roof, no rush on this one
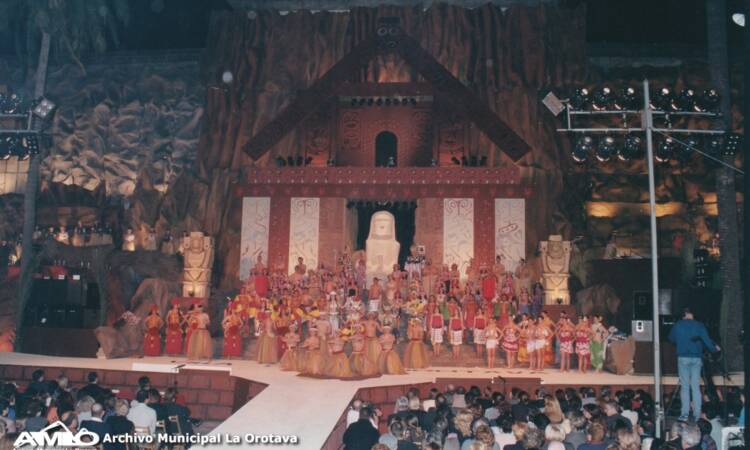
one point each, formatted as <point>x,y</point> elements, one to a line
<point>389,38</point>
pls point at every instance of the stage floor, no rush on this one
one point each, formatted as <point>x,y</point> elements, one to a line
<point>310,408</point>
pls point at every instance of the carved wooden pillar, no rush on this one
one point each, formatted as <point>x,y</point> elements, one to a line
<point>278,236</point>
<point>484,231</point>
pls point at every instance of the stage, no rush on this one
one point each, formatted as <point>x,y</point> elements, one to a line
<point>312,409</point>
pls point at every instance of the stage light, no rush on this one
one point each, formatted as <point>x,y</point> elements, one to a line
<point>483,161</point>
<point>473,161</point>
<point>10,104</point>
<point>708,101</point>
<point>391,162</point>
<point>30,144</point>
<point>280,161</point>
<point>388,102</point>
<point>739,19</point>
<point>362,101</point>
<point>379,102</point>
<point>582,148</point>
<point>353,102</point>
<point>685,101</point>
<point>630,149</point>
<point>732,144</point>
<point>580,98</point>
<point>433,162</point>
<point>370,101</point>
<point>308,160</point>
<point>413,101</point>
<point>627,100</point>
<point>606,149</point>
<point>602,99</point>
<point>455,161</point>
<point>684,153</point>
<point>227,77</point>
<point>300,161</point>
<point>714,145</point>
<point>662,99</point>
<point>664,150</point>
<point>44,108</point>
<point>5,150</point>
<point>464,161</point>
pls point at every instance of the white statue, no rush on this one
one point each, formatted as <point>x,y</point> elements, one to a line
<point>198,255</point>
<point>382,247</point>
<point>555,269</point>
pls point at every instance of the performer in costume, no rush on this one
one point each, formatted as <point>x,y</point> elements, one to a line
<point>337,365</point>
<point>531,350</point>
<point>504,312</point>
<point>199,345</point>
<point>389,363</point>
<point>456,327</point>
<point>478,328</point>
<point>565,336</point>
<point>542,336</point>
<point>511,338</point>
<point>599,336</point>
<point>489,283</point>
<point>232,326</point>
<point>436,325</point>
<point>415,354</point>
<point>173,345</point>
<point>583,337</point>
<point>268,349</point>
<point>549,344</point>
<point>372,345</point>
<point>152,338</point>
<point>492,338</point>
<point>313,357</point>
<point>360,364</point>
<point>292,356</point>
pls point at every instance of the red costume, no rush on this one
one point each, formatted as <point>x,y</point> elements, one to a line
<point>232,335</point>
<point>152,338</point>
<point>489,285</point>
<point>173,344</point>
<point>261,285</point>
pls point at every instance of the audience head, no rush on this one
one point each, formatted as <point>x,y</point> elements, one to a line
<point>122,408</point>
<point>628,440</point>
<point>596,432</point>
<point>534,439</point>
<point>37,375</point>
<point>141,396</point>
<point>690,435</point>
<point>97,410</point>
<point>92,377</point>
<point>554,432</point>
<point>144,383</point>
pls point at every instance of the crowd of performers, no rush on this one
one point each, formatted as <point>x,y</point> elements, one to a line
<point>328,323</point>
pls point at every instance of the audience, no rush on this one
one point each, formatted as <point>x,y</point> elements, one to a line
<point>141,414</point>
<point>361,435</point>
<point>96,423</point>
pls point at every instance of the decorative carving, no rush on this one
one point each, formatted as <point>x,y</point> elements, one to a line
<point>351,131</point>
<point>555,269</point>
<point>318,137</point>
<point>198,256</point>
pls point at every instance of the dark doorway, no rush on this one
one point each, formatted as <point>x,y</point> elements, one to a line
<point>403,211</point>
<point>386,149</point>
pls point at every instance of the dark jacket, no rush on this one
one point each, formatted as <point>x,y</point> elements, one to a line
<point>118,425</point>
<point>690,337</point>
<point>183,415</point>
<point>360,435</point>
<point>98,428</point>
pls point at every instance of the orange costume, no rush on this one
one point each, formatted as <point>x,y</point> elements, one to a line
<point>152,338</point>
<point>199,344</point>
<point>268,348</point>
<point>415,354</point>
<point>173,345</point>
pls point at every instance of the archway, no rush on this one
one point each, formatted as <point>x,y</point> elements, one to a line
<point>386,147</point>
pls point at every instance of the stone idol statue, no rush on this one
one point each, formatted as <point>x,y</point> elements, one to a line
<point>198,255</point>
<point>381,247</point>
<point>555,269</point>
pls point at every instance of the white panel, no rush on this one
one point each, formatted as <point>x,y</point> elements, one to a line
<point>304,227</point>
<point>256,214</point>
<point>458,232</point>
<point>510,230</point>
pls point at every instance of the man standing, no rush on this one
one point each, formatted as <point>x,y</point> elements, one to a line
<point>361,435</point>
<point>690,337</point>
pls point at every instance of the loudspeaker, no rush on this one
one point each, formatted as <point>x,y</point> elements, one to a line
<point>643,330</point>
<point>642,306</point>
<point>48,292</point>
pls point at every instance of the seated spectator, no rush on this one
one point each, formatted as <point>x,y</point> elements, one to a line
<point>481,434</point>
<point>353,414</point>
<point>388,438</point>
<point>96,423</point>
<point>140,414</point>
<point>594,437</point>
<point>119,424</point>
<point>361,435</point>
<point>83,408</point>
<point>521,409</point>
<point>38,384</point>
<point>154,402</point>
<point>554,432</point>
<point>519,432</point>
<point>70,420</point>
<point>92,389</point>
<point>533,440</point>
<point>552,409</point>
<point>690,436</point>
<point>646,428</point>
<point>462,423</point>
<point>144,384</point>
<point>35,417</point>
<point>628,440</point>
<point>8,423</point>
<point>400,433</point>
<point>172,408</point>
<point>401,409</point>
<point>612,415</point>
<point>577,434</point>
<point>707,442</point>
<point>711,413</point>
<point>504,432</point>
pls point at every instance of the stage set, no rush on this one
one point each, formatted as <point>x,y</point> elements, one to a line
<point>331,205</point>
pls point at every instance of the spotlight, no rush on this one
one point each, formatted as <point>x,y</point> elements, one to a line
<point>464,161</point>
<point>30,144</point>
<point>483,161</point>
<point>353,102</point>
<point>708,101</point>
<point>602,99</point>
<point>388,102</point>
<point>714,144</point>
<point>455,161</point>
<point>627,100</point>
<point>582,148</point>
<point>300,161</point>
<point>227,77</point>
<point>362,101</point>
<point>606,149</point>
<point>290,160</point>
<point>44,108</point>
<point>379,102</point>
<point>10,104</point>
<point>404,101</point>
<point>370,101</point>
<point>391,162</point>
<point>413,101</point>
<point>308,160</point>
<point>5,150</point>
<point>732,144</point>
<point>433,162</point>
<point>580,98</point>
<point>473,161</point>
<point>280,161</point>
<point>662,99</point>
<point>664,150</point>
<point>684,153</point>
<point>630,149</point>
<point>685,101</point>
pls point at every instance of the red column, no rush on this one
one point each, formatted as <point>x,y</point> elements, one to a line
<point>278,236</point>
<point>484,231</point>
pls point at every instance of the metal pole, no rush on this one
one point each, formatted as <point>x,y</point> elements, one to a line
<point>648,125</point>
<point>746,221</point>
